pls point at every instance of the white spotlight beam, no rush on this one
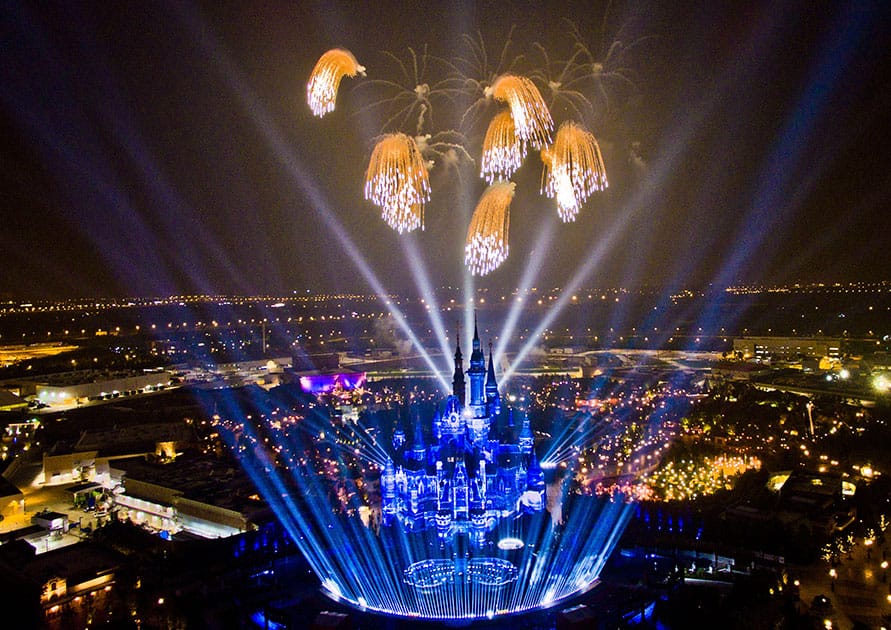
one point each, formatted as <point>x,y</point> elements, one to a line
<point>536,258</point>
<point>422,281</point>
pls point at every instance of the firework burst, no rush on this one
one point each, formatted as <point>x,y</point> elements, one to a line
<point>487,244</point>
<point>532,120</point>
<point>397,182</point>
<point>502,149</point>
<point>321,90</point>
<point>603,71</point>
<point>409,98</point>
<point>560,81</point>
<point>573,169</point>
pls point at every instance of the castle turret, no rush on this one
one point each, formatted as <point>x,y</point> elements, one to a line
<point>443,495</point>
<point>526,439</point>
<point>493,399</point>
<point>481,480</point>
<point>419,449</point>
<point>398,440</point>
<point>477,376</point>
<point>458,388</point>
<point>388,488</point>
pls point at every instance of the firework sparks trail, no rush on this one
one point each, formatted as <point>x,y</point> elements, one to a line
<point>487,236</point>
<point>502,150</point>
<point>532,119</point>
<point>397,182</point>
<point>573,169</point>
<point>321,90</point>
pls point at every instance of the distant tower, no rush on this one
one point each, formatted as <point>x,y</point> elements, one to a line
<point>388,488</point>
<point>398,440</point>
<point>493,400</point>
<point>526,439</point>
<point>458,389</point>
<point>419,449</point>
<point>477,376</point>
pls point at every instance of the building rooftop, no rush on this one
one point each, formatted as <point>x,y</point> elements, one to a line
<point>221,483</point>
<point>76,563</point>
<point>7,489</point>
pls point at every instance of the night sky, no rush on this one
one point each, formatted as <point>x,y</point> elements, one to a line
<point>158,148</point>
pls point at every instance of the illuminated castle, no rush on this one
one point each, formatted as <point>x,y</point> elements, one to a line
<point>469,477</point>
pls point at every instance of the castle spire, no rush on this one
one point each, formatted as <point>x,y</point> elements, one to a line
<point>493,400</point>
<point>477,376</point>
<point>477,353</point>
<point>491,384</point>
<point>458,389</point>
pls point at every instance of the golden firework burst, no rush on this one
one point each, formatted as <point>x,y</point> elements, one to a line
<point>321,90</point>
<point>532,120</point>
<point>573,169</point>
<point>397,182</point>
<point>487,243</point>
<point>502,149</point>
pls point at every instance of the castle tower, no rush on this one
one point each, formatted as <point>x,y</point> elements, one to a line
<point>458,389</point>
<point>419,449</point>
<point>526,439</point>
<point>398,440</point>
<point>477,376</point>
<point>388,488</point>
<point>493,399</point>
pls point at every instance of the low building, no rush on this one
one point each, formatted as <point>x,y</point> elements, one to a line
<point>788,348</point>
<point>70,587</point>
<point>195,496</point>
<point>738,371</point>
<point>11,402</point>
<point>55,394</point>
<point>67,389</point>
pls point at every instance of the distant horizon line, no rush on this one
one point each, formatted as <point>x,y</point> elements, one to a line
<point>304,294</point>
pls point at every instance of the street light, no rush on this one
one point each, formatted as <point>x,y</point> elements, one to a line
<point>834,574</point>
<point>884,566</point>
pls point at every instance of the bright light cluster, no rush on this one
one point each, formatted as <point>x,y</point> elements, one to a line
<point>573,169</point>
<point>397,181</point>
<point>689,479</point>
<point>532,119</point>
<point>502,149</point>
<point>321,90</point>
<point>487,244</point>
<point>432,574</point>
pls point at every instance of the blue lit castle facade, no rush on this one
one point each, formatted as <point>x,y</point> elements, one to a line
<point>470,475</point>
